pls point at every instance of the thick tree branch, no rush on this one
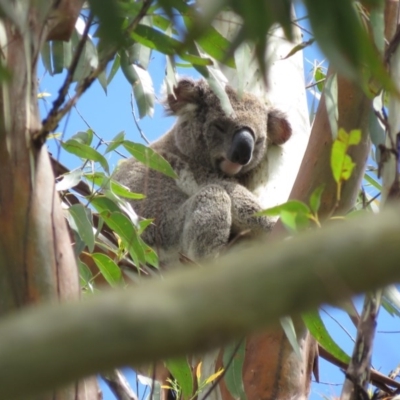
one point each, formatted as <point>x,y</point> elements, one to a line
<point>191,310</point>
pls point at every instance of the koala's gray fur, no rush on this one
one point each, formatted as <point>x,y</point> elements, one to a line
<point>197,213</point>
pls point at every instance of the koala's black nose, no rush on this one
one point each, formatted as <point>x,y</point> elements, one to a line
<point>242,147</point>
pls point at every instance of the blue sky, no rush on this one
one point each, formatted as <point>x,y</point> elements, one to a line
<point>110,114</point>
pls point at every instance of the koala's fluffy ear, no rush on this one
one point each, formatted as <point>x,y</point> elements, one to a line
<point>186,93</point>
<point>278,129</point>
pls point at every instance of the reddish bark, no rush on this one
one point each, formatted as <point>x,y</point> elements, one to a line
<point>37,263</point>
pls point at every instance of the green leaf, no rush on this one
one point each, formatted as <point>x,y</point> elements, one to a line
<point>103,181</point>
<point>82,218</point>
<point>108,268</point>
<point>110,17</point>
<point>84,151</point>
<point>104,204</point>
<point>320,77</point>
<point>233,377</point>
<point>142,85</point>
<point>115,142</point>
<point>150,158</point>
<point>372,181</point>
<point>154,39</point>
<point>125,229</point>
<point>181,371</point>
<point>341,163</point>
<point>114,68</point>
<point>84,137</point>
<point>290,332</point>
<point>85,274</point>
<point>88,60</point>
<point>143,224</point>
<point>292,206</point>
<point>217,87</point>
<point>331,103</point>
<point>314,324</point>
<point>57,56</point>
<point>391,300</point>
<point>46,57</point>
<point>149,254</point>
<point>165,44</point>
<point>315,198</point>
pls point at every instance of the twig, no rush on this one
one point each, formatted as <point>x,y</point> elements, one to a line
<point>57,113</point>
<point>358,371</point>
<point>218,380</point>
<point>137,123</point>
<point>377,378</point>
<point>62,93</point>
<point>119,385</point>
<point>102,141</point>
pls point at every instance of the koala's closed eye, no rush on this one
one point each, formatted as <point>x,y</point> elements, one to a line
<point>219,126</point>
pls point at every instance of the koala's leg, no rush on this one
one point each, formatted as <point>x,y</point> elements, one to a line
<point>207,222</point>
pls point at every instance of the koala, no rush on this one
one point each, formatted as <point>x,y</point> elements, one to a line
<point>214,156</point>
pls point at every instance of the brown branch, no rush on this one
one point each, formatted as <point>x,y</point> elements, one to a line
<point>191,309</point>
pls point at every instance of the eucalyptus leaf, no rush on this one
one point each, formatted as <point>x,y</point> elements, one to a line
<point>82,218</point>
<point>150,158</point>
<point>233,377</point>
<point>181,371</point>
<point>108,268</point>
<point>315,325</point>
<point>84,151</point>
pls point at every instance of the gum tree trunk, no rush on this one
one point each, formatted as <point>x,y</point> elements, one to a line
<point>37,263</point>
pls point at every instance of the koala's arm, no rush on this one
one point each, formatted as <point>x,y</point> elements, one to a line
<point>243,207</point>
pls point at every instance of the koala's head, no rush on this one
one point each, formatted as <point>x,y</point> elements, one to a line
<point>232,144</point>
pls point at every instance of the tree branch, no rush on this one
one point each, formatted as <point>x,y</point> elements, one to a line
<point>191,309</point>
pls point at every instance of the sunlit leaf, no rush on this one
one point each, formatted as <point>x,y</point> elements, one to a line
<point>85,151</point>
<point>341,163</point>
<point>115,142</point>
<point>69,180</point>
<point>100,179</point>
<point>108,268</point>
<point>150,158</point>
<point>83,137</point>
<point>214,376</point>
<point>181,371</point>
<point>293,206</point>
<point>125,229</point>
<point>83,223</point>
<point>314,324</point>
<point>290,332</point>
<point>315,198</point>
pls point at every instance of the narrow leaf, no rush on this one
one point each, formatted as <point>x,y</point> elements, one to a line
<point>150,158</point>
<point>233,377</point>
<point>315,198</point>
<point>108,268</point>
<point>290,332</point>
<point>314,324</point>
<point>84,151</point>
<point>83,223</point>
<point>292,206</point>
<point>331,103</point>
<point>181,371</point>
<point>125,229</point>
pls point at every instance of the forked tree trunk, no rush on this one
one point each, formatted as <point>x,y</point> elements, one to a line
<point>37,263</point>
